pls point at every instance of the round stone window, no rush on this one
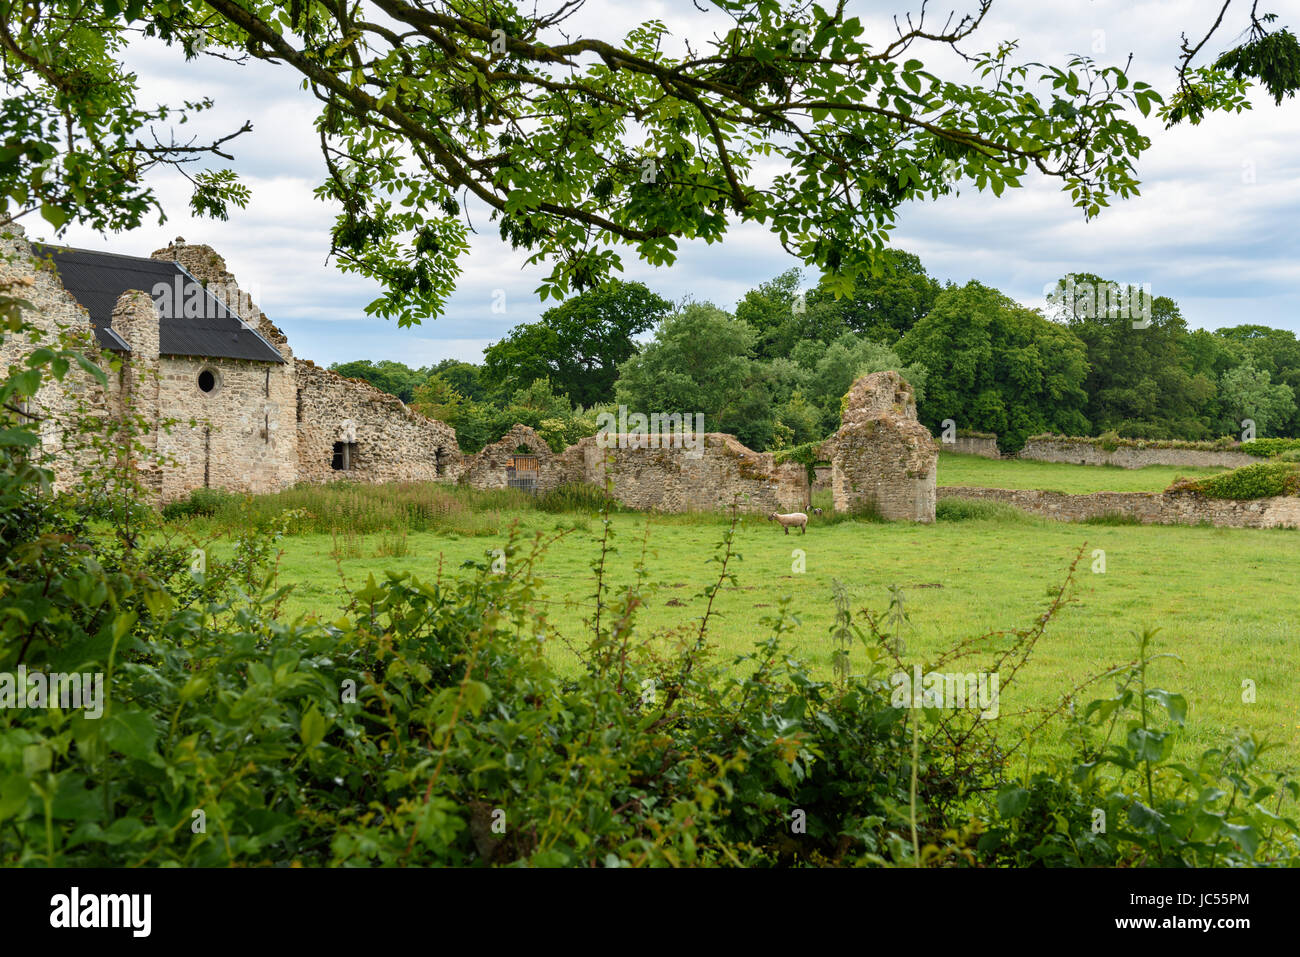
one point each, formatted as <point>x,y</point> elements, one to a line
<point>208,381</point>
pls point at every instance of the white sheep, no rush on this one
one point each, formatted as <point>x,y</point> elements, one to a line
<point>793,519</point>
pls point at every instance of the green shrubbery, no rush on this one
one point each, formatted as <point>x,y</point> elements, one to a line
<point>1112,440</point>
<point>202,502</point>
<point>1261,480</point>
<point>969,509</point>
<point>1271,448</point>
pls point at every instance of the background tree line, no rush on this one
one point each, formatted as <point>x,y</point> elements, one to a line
<point>773,370</point>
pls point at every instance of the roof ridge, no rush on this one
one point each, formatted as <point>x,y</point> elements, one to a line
<point>56,247</point>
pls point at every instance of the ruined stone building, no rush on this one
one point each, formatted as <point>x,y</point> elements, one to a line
<point>882,458</point>
<point>662,473</point>
<point>225,402</point>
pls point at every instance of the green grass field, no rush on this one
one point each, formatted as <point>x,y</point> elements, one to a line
<point>968,470</point>
<point>1221,597</point>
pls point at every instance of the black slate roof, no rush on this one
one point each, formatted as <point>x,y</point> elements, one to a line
<point>97,279</point>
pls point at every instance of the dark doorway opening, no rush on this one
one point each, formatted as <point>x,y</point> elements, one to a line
<point>345,456</point>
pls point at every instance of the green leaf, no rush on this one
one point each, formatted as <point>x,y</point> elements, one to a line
<point>53,215</point>
<point>1245,836</point>
<point>1012,802</point>
<point>14,791</point>
<point>1175,705</point>
<point>313,728</point>
<point>131,733</point>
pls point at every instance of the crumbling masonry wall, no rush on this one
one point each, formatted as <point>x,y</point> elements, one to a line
<point>717,472</point>
<point>240,435</point>
<point>56,405</point>
<point>388,441</point>
<point>1150,508</point>
<point>489,467</point>
<point>1132,455</point>
<point>882,458</point>
<point>263,427</point>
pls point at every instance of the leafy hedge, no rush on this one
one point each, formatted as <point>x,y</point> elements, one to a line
<point>1270,448</point>
<point>1261,480</point>
<point>1112,440</point>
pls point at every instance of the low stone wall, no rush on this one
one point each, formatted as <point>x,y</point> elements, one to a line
<point>712,475</point>
<point>983,446</point>
<point>1150,508</point>
<point>1131,457</point>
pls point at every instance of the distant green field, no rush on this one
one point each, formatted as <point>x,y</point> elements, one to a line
<point>1223,598</point>
<point>957,469</point>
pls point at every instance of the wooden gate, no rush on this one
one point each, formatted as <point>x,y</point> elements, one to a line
<point>522,473</point>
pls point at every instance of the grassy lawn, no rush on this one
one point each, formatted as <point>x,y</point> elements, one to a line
<point>1222,598</point>
<point>957,469</point>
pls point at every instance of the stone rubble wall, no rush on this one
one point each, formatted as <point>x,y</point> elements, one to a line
<point>714,474</point>
<point>488,468</point>
<point>1151,508</point>
<point>393,442</point>
<point>1079,452</point>
<point>240,437</point>
<point>267,426</point>
<point>882,458</point>
<point>983,446</point>
<point>56,313</point>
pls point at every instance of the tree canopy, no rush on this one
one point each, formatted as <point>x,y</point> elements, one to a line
<point>579,145</point>
<point>577,344</point>
<point>996,366</point>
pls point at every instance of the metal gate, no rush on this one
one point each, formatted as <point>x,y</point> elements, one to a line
<point>522,473</point>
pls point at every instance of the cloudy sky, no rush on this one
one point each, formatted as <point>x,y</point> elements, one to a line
<point>1215,227</point>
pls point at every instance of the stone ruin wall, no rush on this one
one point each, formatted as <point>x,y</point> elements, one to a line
<point>241,436</point>
<point>718,472</point>
<point>1081,452</point>
<point>264,427</point>
<point>53,310</point>
<point>1150,508</point>
<point>882,458</point>
<point>984,446</point>
<point>393,443</point>
<point>268,426</point>
<point>488,467</point>
<point>665,477</point>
